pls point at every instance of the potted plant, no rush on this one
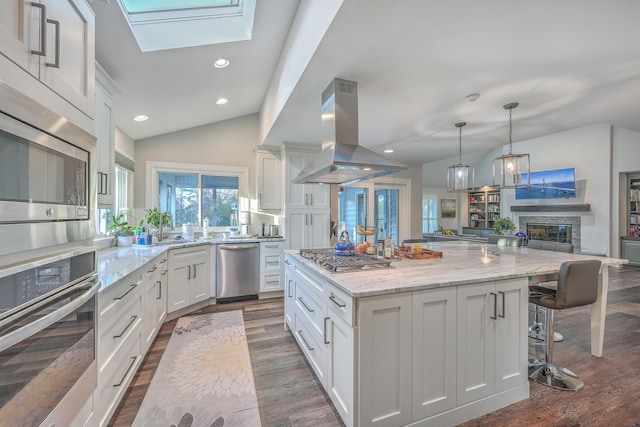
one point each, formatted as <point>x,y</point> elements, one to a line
<point>503,226</point>
<point>155,217</point>
<point>122,230</point>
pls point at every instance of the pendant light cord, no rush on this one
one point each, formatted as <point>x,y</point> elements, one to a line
<point>460,146</point>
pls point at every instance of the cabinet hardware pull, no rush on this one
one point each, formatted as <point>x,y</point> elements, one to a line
<point>189,270</point>
<point>106,183</point>
<point>159,289</point>
<point>99,183</point>
<point>495,306</point>
<point>337,302</point>
<point>311,199</point>
<point>324,333</point>
<point>274,263</point>
<point>163,261</point>
<point>56,61</point>
<point>133,319</point>
<point>260,199</point>
<point>286,261</point>
<point>310,219</point>
<point>133,286</point>
<point>43,29</point>
<point>273,281</point>
<point>503,308</point>
<point>304,340</point>
<point>289,290</point>
<point>163,273</point>
<point>133,362</point>
<point>271,246</point>
<point>309,309</point>
<point>306,221</point>
<point>305,199</point>
<point>194,271</point>
<point>153,269</point>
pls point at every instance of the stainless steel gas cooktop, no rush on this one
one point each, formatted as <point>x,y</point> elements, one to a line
<point>325,258</point>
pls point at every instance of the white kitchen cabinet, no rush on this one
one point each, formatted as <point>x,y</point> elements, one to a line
<point>289,295</point>
<point>154,290</point>
<point>385,360</point>
<point>268,178</point>
<point>340,377</point>
<point>188,281</point>
<point>491,348</point>
<point>307,228</point>
<point>311,196</point>
<point>434,352</point>
<point>105,129</point>
<point>53,41</point>
<point>271,266</point>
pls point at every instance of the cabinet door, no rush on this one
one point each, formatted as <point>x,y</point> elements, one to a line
<point>434,352</point>
<point>511,352</point>
<point>296,194</point>
<point>385,360</point>
<point>296,229</point>
<point>268,181</point>
<point>198,284</point>
<point>178,294</point>
<point>161,299</point>
<point>149,322</point>
<point>319,229</point>
<point>289,295</point>
<point>20,33</point>
<point>340,378</point>
<point>69,65</point>
<point>475,344</point>
<point>105,133</point>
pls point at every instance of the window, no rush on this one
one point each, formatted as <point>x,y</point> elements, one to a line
<point>123,200</point>
<point>191,193</point>
<point>429,213</point>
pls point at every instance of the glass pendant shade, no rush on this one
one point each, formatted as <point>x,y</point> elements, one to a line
<point>459,176</point>
<point>512,170</point>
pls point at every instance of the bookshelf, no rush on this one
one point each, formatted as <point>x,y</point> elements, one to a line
<point>634,207</point>
<point>484,208</point>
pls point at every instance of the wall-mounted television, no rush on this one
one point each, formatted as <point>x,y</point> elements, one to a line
<point>557,183</point>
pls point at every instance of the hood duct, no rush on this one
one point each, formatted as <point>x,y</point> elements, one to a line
<point>342,160</point>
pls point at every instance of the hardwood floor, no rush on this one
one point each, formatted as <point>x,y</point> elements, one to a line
<point>289,393</point>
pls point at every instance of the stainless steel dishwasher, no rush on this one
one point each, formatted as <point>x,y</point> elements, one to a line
<point>238,271</point>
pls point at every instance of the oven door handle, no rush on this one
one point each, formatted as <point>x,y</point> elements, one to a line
<point>14,337</point>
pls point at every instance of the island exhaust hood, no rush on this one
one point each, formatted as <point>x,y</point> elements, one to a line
<point>342,160</point>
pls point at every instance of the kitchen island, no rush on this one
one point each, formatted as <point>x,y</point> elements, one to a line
<point>426,342</point>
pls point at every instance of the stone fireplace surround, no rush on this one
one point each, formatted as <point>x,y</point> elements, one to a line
<point>574,221</point>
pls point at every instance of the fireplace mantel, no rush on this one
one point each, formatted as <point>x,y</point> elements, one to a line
<point>551,208</point>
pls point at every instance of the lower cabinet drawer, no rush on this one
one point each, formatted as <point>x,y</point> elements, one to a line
<point>340,303</point>
<point>117,374</point>
<point>271,282</point>
<point>116,329</point>
<point>311,306</point>
<point>312,344</point>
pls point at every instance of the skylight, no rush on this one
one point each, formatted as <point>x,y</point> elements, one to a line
<point>170,24</point>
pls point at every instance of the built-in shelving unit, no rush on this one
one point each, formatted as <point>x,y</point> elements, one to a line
<point>634,207</point>
<point>484,207</point>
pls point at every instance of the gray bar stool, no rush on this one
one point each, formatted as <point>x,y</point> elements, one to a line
<point>535,330</point>
<point>500,240</point>
<point>577,286</point>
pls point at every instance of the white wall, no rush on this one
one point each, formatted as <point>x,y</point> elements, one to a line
<point>227,143</point>
<point>125,145</point>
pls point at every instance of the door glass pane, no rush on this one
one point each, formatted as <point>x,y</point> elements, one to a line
<point>386,214</point>
<point>353,211</point>
<point>220,200</point>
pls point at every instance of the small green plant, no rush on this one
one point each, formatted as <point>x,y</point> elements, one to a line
<point>120,226</point>
<point>501,225</point>
<point>154,217</point>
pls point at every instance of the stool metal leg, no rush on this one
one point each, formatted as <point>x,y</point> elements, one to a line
<point>549,373</point>
<point>536,328</point>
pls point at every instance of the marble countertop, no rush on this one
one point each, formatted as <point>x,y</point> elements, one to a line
<point>462,262</point>
<point>117,262</point>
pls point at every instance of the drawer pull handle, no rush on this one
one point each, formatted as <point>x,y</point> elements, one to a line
<point>133,286</point>
<point>159,289</point>
<point>194,271</point>
<point>163,261</point>
<point>164,273</point>
<point>289,290</point>
<point>273,263</point>
<point>133,362</point>
<point>305,341</point>
<point>309,309</point>
<point>133,319</point>
<point>324,333</point>
<point>272,282</point>
<point>286,261</point>
<point>502,293</point>
<point>271,246</point>
<point>337,302</point>
<point>189,269</point>
<point>495,306</point>
<point>153,269</point>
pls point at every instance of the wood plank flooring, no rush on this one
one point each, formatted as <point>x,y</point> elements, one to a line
<point>290,395</point>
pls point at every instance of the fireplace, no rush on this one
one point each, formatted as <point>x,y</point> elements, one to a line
<point>565,229</point>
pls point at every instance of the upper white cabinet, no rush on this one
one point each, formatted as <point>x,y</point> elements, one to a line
<point>52,41</point>
<point>105,132</point>
<point>268,185</point>
<point>310,196</point>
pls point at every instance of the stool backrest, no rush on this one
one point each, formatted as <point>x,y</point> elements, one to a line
<point>577,283</point>
<point>492,239</point>
<point>550,246</point>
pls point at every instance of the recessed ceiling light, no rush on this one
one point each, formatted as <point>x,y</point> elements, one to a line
<point>140,118</point>
<point>221,63</point>
<point>222,101</point>
<point>388,151</point>
<point>472,98</point>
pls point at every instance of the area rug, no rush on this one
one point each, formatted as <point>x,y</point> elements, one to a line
<point>204,378</point>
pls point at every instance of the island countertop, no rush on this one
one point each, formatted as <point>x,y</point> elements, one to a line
<point>462,262</point>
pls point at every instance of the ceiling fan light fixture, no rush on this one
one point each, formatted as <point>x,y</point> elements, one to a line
<point>508,169</point>
<point>460,177</point>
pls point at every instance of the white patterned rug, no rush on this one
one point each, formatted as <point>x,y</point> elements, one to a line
<point>204,378</point>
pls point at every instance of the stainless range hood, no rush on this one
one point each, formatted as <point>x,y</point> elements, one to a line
<point>342,160</point>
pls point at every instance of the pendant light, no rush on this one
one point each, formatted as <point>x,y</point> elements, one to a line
<point>459,176</point>
<point>508,169</point>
